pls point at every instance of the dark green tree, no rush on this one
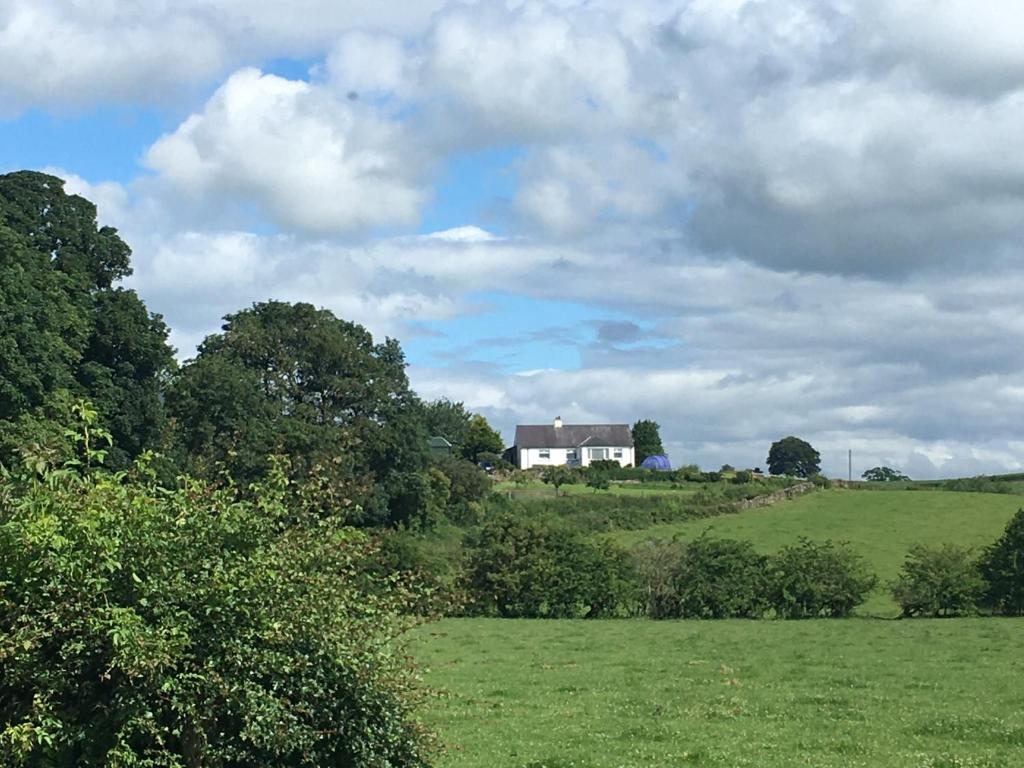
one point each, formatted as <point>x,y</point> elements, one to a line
<point>646,440</point>
<point>297,381</point>
<point>883,475</point>
<point>64,327</point>
<point>793,456</point>
<point>1002,568</point>
<point>447,419</point>
<point>558,476</point>
<point>480,437</point>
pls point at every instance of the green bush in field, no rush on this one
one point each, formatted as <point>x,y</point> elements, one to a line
<point>533,568</point>
<point>704,579</point>
<point>743,476</point>
<point>1002,568</point>
<point>811,579</point>
<point>938,581</point>
<point>176,629</point>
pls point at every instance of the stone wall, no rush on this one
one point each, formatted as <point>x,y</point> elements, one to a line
<point>775,497</point>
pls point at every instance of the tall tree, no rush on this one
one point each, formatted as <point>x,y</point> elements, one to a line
<point>66,327</point>
<point>480,438</point>
<point>447,419</point>
<point>793,456</point>
<point>295,380</point>
<point>647,440</point>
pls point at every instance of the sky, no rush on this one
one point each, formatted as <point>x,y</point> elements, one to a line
<point>743,219</point>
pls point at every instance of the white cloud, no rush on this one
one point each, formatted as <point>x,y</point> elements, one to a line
<point>309,161</point>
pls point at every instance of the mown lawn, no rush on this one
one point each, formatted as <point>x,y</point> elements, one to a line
<point>632,693</point>
<point>880,525</point>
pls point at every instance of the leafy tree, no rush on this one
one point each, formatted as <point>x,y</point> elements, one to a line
<point>938,581</point>
<point>883,475</point>
<point>480,438</point>
<point>447,419</point>
<point>293,380</point>
<point>811,579</point>
<point>704,579</point>
<point>598,481</point>
<point>65,328</point>
<point>793,456</point>
<point>558,476</point>
<point>1002,568</point>
<point>646,440</point>
<point>141,626</point>
<point>533,568</point>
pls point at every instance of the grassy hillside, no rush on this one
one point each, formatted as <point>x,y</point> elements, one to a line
<point>611,694</point>
<point>881,525</point>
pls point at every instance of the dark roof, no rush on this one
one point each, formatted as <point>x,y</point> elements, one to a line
<point>438,442</point>
<point>572,435</point>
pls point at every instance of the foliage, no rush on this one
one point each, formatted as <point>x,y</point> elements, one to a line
<point>447,419</point>
<point>147,627</point>
<point>480,438</point>
<point>65,330</point>
<point>793,456</point>
<point>743,476</point>
<point>646,439</point>
<point>598,481</point>
<point>938,581</point>
<point>293,380</point>
<point>535,568</point>
<point>883,475</point>
<point>809,579</point>
<point>705,579</point>
<point>559,476</point>
<point>1002,568</point>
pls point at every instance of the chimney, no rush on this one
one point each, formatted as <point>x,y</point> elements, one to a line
<point>558,422</point>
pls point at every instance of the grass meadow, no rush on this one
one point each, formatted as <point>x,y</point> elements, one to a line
<point>768,694</point>
<point>880,525</point>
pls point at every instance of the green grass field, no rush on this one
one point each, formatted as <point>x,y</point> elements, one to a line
<point>770,694</point>
<point>880,525</point>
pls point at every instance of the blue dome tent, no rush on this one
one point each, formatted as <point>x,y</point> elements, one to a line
<point>660,463</point>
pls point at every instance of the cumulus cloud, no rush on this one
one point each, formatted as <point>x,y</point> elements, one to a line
<point>788,217</point>
<point>308,160</point>
<point>55,54</point>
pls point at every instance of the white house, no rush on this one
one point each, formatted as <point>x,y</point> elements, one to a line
<point>574,445</point>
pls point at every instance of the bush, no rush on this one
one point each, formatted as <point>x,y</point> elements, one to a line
<point>817,579</point>
<point>1002,568</point>
<point>146,627</point>
<point>705,579</point>
<point>537,569</point>
<point>938,581</point>
<point>743,476</point>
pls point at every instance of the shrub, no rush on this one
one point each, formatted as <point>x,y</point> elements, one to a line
<point>938,581</point>
<point>539,569</point>
<point>705,579</point>
<point>743,476</point>
<point>147,627</point>
<point>1002,568</point>
<point>810,579</point>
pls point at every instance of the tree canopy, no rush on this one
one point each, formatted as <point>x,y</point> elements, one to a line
<point>293,380</point>
<point>793,456</point>
<point>66,330</point>
<point>883,475</point>
<point>647,440</point>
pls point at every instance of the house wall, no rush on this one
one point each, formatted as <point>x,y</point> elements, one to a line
<point>531,457</point>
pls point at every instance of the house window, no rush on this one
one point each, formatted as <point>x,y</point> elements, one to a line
<point>544,453</point>
<point>598,454</point>
<point>570,454</point>
<point>617,453</point>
